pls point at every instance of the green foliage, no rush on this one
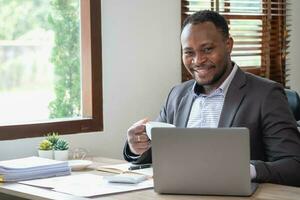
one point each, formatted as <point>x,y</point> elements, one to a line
<point>61,144</point>
<point>20,21</point>
<point>64,20</point>
<point>53,141</point>
<point>45,145</point>
<point>23,16</point>
<point>52,137</point>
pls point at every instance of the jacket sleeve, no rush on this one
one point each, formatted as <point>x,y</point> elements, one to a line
<point>281,140</point>
<point>136,159</point>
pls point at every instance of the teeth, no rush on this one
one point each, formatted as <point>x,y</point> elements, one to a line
<point>201,69</point>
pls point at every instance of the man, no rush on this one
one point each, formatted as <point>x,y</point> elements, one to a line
<point>222,95</point>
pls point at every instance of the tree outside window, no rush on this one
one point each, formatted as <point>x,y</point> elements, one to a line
<point>40,59</point>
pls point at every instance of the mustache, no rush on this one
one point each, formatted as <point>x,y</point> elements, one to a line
<point>202,66</point>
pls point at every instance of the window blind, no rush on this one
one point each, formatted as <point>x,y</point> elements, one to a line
<point>259,30</point>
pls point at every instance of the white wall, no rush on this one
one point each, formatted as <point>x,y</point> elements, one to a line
<point>141,61</point>
<point>294,58</point>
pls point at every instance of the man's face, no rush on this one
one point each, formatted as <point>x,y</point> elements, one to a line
<point>206,53</point>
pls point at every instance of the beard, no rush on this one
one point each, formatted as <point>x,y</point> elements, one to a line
<point>209,74</point>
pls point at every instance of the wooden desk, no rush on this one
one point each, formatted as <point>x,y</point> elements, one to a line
<point>18,191</point>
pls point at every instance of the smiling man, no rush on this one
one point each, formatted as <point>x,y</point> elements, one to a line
<point>222,95</point>
<point>206,54</point>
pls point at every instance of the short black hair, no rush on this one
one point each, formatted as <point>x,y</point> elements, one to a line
<point>208,16</point>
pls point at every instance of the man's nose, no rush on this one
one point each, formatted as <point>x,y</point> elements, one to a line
<point>199,58</point>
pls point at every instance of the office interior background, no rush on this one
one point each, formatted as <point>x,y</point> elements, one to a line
<point>141,62</point>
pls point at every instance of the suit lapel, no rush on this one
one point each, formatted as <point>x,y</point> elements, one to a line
<point>184,109</point>
<point>234,97</point>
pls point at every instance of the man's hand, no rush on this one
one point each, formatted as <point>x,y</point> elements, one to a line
<point>137,138</point>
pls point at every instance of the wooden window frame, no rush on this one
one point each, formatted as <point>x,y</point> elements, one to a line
<point>92,119</point>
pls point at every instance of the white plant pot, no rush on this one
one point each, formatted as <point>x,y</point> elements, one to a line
<point>46,154</point>
<point>61,154</point>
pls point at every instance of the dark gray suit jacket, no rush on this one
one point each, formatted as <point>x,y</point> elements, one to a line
<point>253,102</point>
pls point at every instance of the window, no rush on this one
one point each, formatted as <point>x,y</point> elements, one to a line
<point>258,28</point>
<point>51,76</point>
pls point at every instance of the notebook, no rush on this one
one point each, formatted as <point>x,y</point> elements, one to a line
<point>124,169</point>
<point>206,161</point>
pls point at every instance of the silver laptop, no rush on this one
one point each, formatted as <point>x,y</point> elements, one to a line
<point>207,161</point>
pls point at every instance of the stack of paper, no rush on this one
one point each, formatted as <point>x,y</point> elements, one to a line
<point>32,168</point>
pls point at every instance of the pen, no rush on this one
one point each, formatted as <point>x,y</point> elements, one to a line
<point>135,167</point>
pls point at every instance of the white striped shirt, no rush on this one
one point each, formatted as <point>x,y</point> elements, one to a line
<point>206,109</point>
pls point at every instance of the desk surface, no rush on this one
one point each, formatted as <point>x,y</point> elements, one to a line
<point>18,191</point>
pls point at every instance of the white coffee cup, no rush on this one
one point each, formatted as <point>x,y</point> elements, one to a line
<point>150,125</point>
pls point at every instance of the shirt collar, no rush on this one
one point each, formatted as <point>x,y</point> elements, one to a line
<point>223,88</point>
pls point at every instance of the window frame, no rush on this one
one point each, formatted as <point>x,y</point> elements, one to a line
<point>92,103</point>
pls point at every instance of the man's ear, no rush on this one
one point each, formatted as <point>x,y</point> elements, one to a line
<point>229,44</point>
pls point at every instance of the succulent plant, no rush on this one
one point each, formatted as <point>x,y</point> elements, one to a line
<point>45,145</point>
<point>53,138</point>
<point>61,144</point>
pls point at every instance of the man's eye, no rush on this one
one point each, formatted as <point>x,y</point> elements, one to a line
<point>207,50</point>
<point>188,53</point>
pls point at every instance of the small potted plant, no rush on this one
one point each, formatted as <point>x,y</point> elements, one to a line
<point>52,137</point>
<point>61,150</point>
<point>45,149</point>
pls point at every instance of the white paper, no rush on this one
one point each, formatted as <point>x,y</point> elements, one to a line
<point>87,185</point>
<point>116,168</point>
<point>32,168</point>
<point>126,178</point>
<point>123,168</point>
<point>29,162</point>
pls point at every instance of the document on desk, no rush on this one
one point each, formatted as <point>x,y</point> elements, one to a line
<point>124,168</point>
<point>87,185</point>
